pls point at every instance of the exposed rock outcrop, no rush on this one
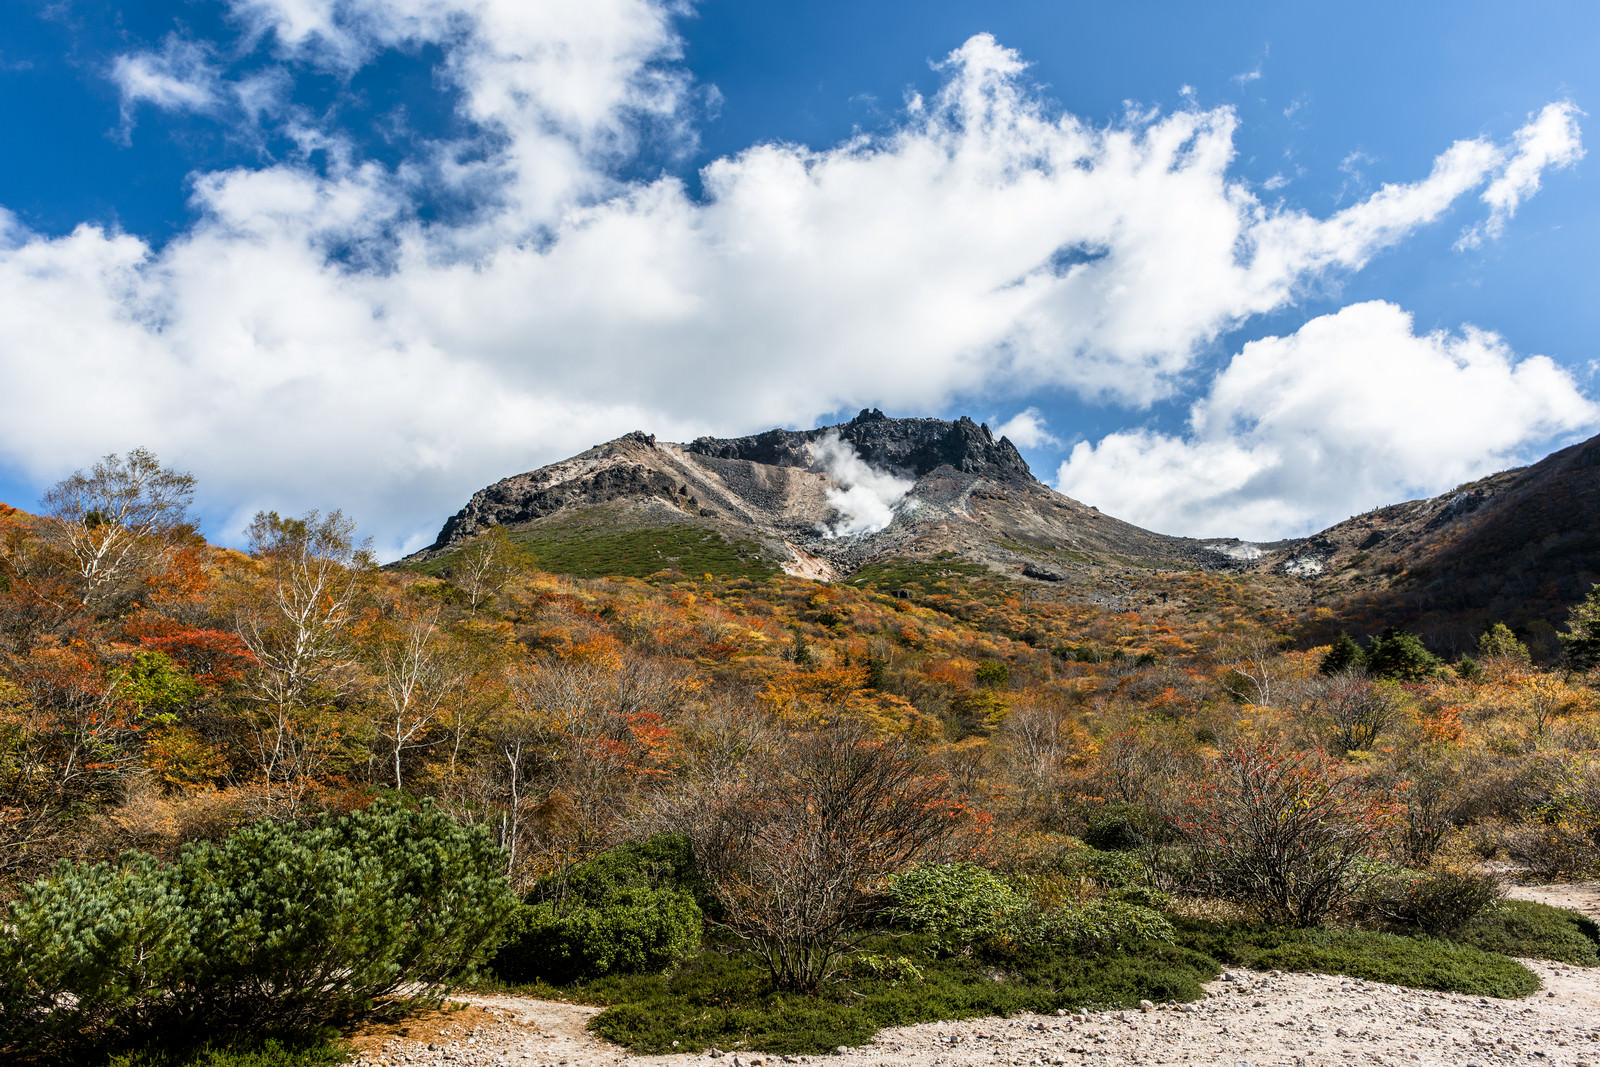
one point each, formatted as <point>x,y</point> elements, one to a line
<point>915,447</point>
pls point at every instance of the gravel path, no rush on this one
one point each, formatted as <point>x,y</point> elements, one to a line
<point>1248,1019</point>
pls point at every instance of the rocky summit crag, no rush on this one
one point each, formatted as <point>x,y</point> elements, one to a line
<point>915,447</point>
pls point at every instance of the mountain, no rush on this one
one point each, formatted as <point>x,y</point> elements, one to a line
<point>823,503</point>
<point>1520,546</point>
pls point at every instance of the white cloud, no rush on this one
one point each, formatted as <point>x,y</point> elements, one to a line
<point>180,77</point>
<point>566,85</point>
<point>1550,140</point>
<point>866,498</point>
<point>1027,430</point>
<point>186,76</point>
<point>310,341</point>
<point>1352,411</point>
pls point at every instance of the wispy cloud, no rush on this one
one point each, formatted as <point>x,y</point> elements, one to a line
<point>180,77</point>
<point>186,76</point>
<point>1254,74</point>
<point>1550,141</point>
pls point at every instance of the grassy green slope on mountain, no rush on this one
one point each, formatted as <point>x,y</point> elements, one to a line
<point>600,546</point>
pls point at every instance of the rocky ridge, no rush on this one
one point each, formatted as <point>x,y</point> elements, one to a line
<point>1519,547</point>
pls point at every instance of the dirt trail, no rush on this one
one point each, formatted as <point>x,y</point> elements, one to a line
<point>1248,1019</point>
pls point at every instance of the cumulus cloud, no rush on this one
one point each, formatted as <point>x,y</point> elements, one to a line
<point>1027,429</point>
<point>866,498</point>
<point>313,340</point>
<point>1353,410</point>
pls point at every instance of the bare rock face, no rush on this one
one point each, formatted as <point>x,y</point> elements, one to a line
<point>915,447</point>
<point>770,479</point>
<point>602,474</point>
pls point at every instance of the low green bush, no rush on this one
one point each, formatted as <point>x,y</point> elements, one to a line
<point>1097,926</point>
<point>631,910</point>
<point>274,926</point>
<point>726,999</point>
<point>1528,930</point>
<point>1437,902</point>
<point>1105,870</point>
<point>957,905</point>
<point>628,931</point>
<point>1116,828</point>
<point>960,907</point>
<point>1417,962</point>
<point>658,861</point>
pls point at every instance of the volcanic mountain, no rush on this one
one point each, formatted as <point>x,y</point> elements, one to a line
<point>822,503</point>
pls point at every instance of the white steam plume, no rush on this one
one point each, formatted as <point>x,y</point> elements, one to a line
<point>867,498</point>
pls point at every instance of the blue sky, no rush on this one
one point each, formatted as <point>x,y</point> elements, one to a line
<point>1225,269</point>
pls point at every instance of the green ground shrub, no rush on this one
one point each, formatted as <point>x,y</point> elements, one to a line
<point>274,926</point>
<point>726,999</point>
<point>1530,930</point>
<point>631,910</point>
<point>314,1049</point>
<point>1417,962</point>
<point>1436,902</point>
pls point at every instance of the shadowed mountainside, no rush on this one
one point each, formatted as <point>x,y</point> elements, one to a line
<point>1519,547</point>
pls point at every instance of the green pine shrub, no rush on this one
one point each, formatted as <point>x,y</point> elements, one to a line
<point>318,924</point>
<point>274,926</point>
<point>632,910</point>
<point>90,947</point>
<point>961,907</point>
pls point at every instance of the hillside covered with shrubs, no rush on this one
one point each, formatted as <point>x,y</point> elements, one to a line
<point>283,788</point>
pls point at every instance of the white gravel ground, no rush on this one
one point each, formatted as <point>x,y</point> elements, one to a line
<point>1248,1019</point>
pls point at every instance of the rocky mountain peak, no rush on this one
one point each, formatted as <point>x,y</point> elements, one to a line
<point>914,447</point>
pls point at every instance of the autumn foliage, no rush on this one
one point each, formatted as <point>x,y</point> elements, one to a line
<point>810,740</point>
